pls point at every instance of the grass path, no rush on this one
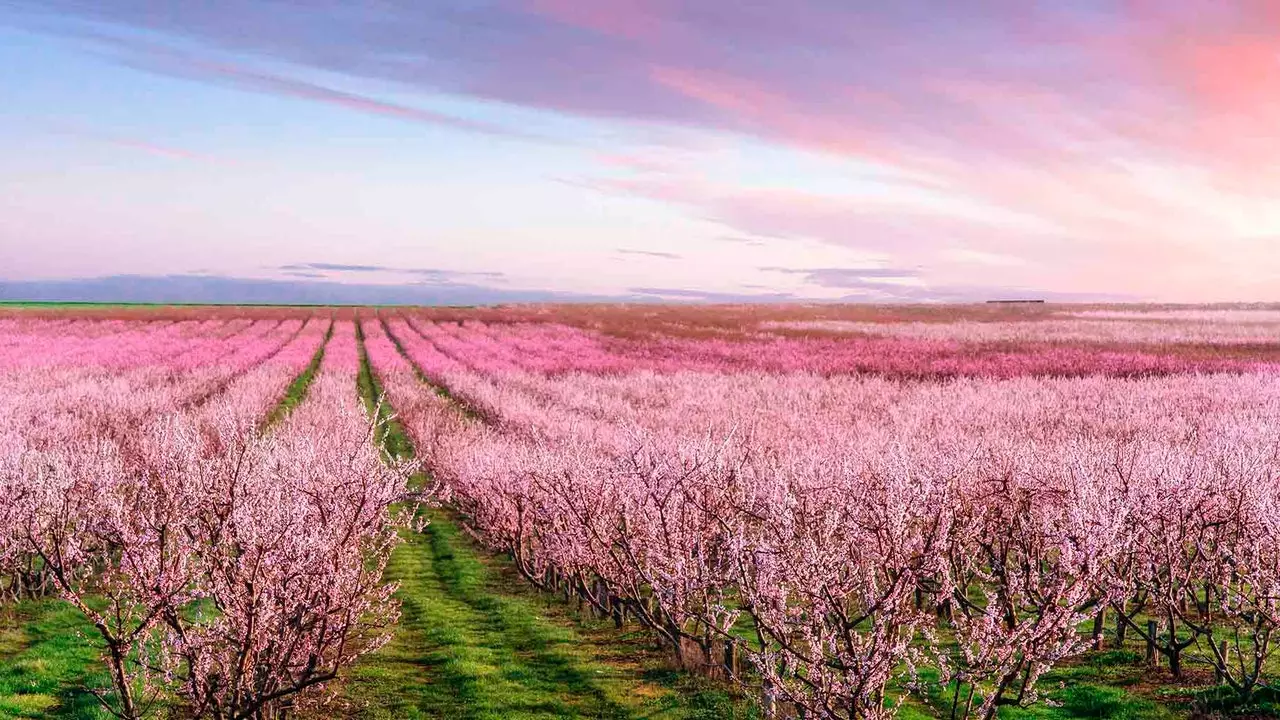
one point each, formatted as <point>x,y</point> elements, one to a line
<point>47,659</point>
<point>471,646</point>
<point>477,643</point>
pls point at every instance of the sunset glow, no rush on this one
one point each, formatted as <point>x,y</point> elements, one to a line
<point>918,150</point>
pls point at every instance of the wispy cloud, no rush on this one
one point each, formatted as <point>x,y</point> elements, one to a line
<point>335,267</point>
<point>649,253</point>
<point>751,242</point>
<point>843,277</point>
<point>425,276</point>
<point>81,131</point>
<point>1129,134</point>
<point>436,272</point>
<point>696,295</point>
<point>161,59</point>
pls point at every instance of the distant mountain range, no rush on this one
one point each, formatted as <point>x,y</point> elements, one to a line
<point>220,289</point>
<point>223,289</point>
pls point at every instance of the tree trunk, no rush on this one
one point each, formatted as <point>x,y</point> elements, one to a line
<point>768,701</point>
<point>731,658</point>
<point>1099,621</point>
<point>993,706</point>
<point>127,710</point>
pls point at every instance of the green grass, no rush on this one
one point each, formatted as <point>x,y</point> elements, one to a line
<point>1106,684</point>
<point>48,660</point>
<point>471,646</point>
<point>476,643</point>
<point>297,390</point>
<point>1221,700</point>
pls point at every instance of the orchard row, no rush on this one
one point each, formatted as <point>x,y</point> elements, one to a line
<point>228,555</point>
<point>839,524</point>
<point>843,532</point>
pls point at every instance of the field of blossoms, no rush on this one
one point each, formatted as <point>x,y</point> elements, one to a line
<point>640,511</point>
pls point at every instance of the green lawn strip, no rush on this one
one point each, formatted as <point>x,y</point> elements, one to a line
<point>475,642</point>
<point>297,390</point>
<point>48,661</point>
<point>631,652</point>
<point>1098,685</point>
<point>1110,683</point>
<point>462,652</point>
<point>390,434</point>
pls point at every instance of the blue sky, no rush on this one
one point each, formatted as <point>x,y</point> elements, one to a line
<point>811,150</point>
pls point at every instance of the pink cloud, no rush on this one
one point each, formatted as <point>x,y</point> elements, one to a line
<point>631,19</point>
<point>1132,132</point>
<point>149,147</point>
<point>155,57</point>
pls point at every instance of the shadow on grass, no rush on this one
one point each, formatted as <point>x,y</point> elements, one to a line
<point>47,663</point>
<point>464,651</point>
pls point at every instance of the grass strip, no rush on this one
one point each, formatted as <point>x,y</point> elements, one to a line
<point>297,390</point>
<point>477,643</point>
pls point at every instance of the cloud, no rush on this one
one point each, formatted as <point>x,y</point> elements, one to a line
<point>649,253</point>
<point>160,59</point>
<point>884,284</point>
<point>885,293</point>
<point>151,148</point>
<point>919,83</point>
<point>436,272</point>
<point>908,234</point>
<point>425,276</point>
<point>695,295</point>
<point>1130,132</point>
<point>335,267</point>
<point>880,284</point>
<point>79,131</point>
<point>842,277</point>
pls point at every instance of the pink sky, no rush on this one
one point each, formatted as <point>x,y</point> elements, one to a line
<point>913,150</point>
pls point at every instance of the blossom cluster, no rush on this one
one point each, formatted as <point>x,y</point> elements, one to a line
<point>227,565</point>
<point>1093,327</point>
<point>860,526</point>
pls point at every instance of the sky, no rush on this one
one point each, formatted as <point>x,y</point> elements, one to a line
<point>916,150</point>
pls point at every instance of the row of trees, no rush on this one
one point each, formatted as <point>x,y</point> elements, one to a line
<point>227,568</point>
<point>846,532</point>
<point>841,532</point>
<point>980,350</point>
<point>81,383</point>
